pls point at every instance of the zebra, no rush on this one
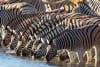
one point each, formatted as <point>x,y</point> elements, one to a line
<point>38,4</point>
<point>28,50</point>
<point>77,23</point>
<point>21,23</point>
<point>22,6</point>
<point>14,42</point>
<point>83,8</point>
<point>68,6</point>
<point>7,15</point>
<point>17,44</point>
<point>42,51</point>
<point>25,20</point>
<point>36,28</point>
<point>30,18</point>
<point>26,33</point>
<point>29,33</point>
<point>29,29</point>
<point>94,5</point>
<point>88,7</point>
<point>7,39</point>
<point>68,22</point>
<point>9,31</point>
<point>11,11</point>
<point>78,40</point>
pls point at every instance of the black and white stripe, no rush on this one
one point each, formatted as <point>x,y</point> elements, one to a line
<point>79,40</point>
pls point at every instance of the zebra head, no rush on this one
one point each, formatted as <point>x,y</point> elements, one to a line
<point>41,49</point>
<point>52,52</point>
<point>14,42</point>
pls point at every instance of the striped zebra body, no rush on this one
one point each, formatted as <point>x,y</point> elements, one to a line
<point>21,23</point>
<point>26,36</point>
<point>88,7</point>
<point>28,32</point>
<point>43,51</point>
<point>79,40</point>
<point>8,15</point>
<point>36,29</point>
<point>95,6</point>
<point>84,8</point>
<point>24,7</point>
<point>69,23</point>
<point>50,24</point>
<point>29,28</point>
<point>38,4</point>
<point>62,20</point>
<point>17,22</point>
<point>67,5</point>
<point>11,11</point>
<point>74,24</point>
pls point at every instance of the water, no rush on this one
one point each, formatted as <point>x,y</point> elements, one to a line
<point>7,60</point>
<point>13,61</point>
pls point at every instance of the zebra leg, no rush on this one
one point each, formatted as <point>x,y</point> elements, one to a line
<point>88,55</point>
<point>80,54</point>
<point>72,56</point>
<point>96,55</point>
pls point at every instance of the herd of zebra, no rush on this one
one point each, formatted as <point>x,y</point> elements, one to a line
<point>47,28</point>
